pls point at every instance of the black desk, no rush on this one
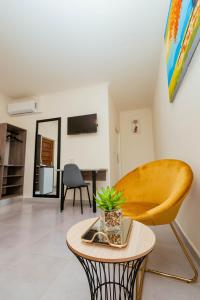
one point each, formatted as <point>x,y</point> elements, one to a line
<point>94,177</point>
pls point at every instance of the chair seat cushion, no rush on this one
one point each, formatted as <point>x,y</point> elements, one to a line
<point>135,209</point>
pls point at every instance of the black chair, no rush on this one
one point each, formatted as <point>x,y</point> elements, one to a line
<point>72,179</point>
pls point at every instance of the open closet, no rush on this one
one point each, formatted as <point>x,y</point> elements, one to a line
<point>12,160</point>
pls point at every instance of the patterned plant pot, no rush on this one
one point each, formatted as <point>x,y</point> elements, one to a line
<point>111,220</point>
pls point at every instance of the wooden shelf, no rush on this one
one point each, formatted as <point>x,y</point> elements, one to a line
<point>11,185</point>
<point>10,176</point>
<point>14,166</point>
<point>12,152</point>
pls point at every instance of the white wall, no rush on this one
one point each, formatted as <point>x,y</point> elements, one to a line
<point>87,150</point>
<point>135,149</point>
<point>113,141</point>
<point>177,135</point>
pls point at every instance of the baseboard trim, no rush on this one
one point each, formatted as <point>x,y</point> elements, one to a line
<point>8,201</point>
<point>42,199</point>
<point>188,243</point>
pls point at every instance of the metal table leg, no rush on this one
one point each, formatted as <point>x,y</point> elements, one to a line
<point>111,281</point>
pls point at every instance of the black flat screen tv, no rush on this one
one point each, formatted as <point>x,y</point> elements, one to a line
<point>82,124</point>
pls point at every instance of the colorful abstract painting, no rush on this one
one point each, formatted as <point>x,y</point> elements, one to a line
<point>182,36</point>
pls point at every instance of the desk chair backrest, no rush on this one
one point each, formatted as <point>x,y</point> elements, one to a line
<point>72,176</point>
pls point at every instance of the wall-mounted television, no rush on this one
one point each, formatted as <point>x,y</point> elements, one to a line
<point>82,124</point>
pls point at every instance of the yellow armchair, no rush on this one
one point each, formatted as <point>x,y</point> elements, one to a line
<point>154,193</point>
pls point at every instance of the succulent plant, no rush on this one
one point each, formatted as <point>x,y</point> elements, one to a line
<point>109,199</point>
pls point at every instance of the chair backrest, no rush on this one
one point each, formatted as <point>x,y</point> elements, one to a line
<point>156,181</point>
<point>72,176</point>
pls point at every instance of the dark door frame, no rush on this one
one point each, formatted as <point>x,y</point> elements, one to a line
<point>57,195</point>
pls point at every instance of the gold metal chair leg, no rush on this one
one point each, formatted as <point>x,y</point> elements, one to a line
<point>188,257</point>
<point>140,280</point>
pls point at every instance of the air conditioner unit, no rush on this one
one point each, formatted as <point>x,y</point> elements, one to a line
<point>24,107</point>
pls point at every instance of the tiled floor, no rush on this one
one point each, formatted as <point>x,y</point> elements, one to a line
<point>36,264</point>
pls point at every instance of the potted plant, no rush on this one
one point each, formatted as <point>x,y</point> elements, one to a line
<point>110,201</point>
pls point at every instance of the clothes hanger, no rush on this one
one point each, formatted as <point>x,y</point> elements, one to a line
<point>12,137</point>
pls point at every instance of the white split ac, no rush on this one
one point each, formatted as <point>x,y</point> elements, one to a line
<point>24,107</point>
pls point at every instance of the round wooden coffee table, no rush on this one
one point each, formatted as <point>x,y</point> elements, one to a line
<point>111,272</point>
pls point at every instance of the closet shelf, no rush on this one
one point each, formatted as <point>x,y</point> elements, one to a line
<point>12,160</point>
<point>15,166</point>
<point>8,176</point>
<point>11,185</point>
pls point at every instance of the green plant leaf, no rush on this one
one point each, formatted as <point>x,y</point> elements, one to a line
<point>109,199</point>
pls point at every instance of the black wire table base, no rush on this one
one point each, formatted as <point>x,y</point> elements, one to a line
<point>111,281</point>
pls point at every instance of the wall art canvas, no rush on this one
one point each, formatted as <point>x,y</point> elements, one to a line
<point>182,36</point>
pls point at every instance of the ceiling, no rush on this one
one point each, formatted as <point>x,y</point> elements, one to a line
<point>52,45</point>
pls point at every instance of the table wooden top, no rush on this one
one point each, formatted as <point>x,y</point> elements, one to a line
<point>85,170</point>
<point>141,242</point>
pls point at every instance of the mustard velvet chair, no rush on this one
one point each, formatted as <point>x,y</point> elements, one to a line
<point>154,193</point>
